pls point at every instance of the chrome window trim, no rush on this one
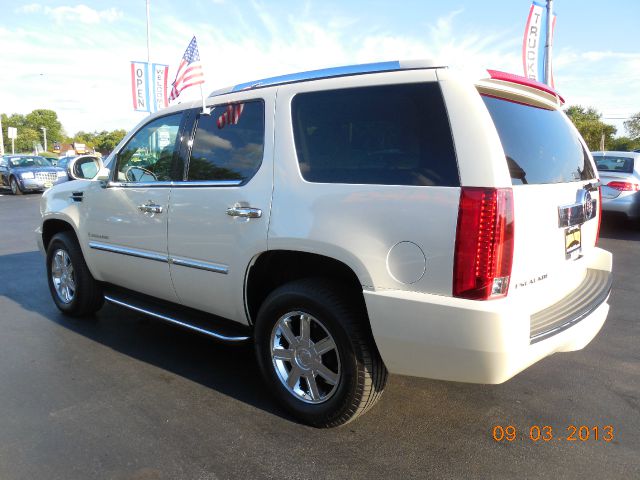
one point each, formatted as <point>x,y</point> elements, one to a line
<point>210,267</point>
<point>131,252</point>
<point>175,321</point>
<point>177,184</point>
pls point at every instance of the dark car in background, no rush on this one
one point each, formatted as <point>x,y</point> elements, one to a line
<point>29,173</point>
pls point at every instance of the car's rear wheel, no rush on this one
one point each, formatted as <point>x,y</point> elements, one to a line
<point>15,187</point>
<point>73,288</point>
<point>317,354</point>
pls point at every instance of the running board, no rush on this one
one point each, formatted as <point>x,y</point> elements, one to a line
<point>195,320</point>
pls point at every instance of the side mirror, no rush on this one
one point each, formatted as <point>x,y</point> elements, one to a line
<point>84,168</point>
<point>103,174</point>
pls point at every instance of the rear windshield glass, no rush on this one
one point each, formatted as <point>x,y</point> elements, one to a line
<point>540,144</point>
<point>384,135</point>
<point>614,164</point>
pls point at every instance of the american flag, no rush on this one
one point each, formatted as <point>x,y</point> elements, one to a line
<point>189,71</point>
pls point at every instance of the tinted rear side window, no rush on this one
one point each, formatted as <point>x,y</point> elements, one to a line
<point>614,164</point>
<point>387,135</point>
<point>540,144</point>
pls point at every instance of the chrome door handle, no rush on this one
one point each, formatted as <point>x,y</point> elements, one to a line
<point>246,212</point>
<point>150,208</point>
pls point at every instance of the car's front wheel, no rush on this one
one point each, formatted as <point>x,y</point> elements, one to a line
<point>317,353</point>
<point>15,187</point>
<point>73,288</point>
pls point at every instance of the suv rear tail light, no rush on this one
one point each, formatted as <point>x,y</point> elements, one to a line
<point>484,243</point>
<point>624,186</point>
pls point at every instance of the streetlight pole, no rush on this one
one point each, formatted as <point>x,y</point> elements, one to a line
<point>1,137</point>
<point>44,130</point>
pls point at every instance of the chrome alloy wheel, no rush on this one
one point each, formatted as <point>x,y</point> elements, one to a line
<point>62,276</point>
<point>305,357</point>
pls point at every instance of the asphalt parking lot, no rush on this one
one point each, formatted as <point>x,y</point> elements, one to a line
<point>125,397</point>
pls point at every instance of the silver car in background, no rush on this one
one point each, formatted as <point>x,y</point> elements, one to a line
<point>620,175</point>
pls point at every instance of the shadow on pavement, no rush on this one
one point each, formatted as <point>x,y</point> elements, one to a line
<point>618,227</point>
<point>231,370</point>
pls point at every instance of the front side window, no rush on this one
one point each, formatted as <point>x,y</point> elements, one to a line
<point>384,135</point>
<point>229,143</point>
<point>149,154</point>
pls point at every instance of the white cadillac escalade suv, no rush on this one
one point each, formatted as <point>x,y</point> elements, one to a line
<point>349,222</point>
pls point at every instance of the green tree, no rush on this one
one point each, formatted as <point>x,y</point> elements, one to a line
<point>589,123</point>
<point>47,119</point>
<point>632,126</point>
<point>21,143</point>
<point>107,141</point>
<point>85,137</point>
<point>624,144</point>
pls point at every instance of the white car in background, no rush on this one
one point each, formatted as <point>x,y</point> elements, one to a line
<point>620,175</point>
<point>349,222</point>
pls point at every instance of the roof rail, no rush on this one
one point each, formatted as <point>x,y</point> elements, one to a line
<point>330,72</point>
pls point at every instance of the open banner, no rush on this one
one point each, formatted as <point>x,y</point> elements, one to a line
<point>149,86</point>
<point>140,86</point>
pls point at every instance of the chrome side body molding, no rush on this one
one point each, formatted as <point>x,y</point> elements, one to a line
<point>182,262</point>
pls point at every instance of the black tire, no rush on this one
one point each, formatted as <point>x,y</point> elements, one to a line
<point>362,374</point>
<point>15,186</point>
<point>88,296</point>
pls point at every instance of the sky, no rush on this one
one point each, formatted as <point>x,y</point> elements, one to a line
<point>74,58</point>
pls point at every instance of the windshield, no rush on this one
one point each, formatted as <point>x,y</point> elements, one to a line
<point>614,164</point>
<point>540,144</point>
<point>29,162</point>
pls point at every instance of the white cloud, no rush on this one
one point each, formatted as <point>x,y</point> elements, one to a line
<point>606,80</point>
<point>70,15</point>
<point>30,8</point>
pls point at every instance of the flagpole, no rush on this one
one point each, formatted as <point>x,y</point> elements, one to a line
<point>204,107</point>
<point>148,34</point>
<point>547,66</point>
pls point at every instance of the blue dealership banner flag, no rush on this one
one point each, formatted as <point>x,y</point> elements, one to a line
<point>533,46</point>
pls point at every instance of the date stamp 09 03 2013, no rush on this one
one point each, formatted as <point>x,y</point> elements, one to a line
<point>546,433</point>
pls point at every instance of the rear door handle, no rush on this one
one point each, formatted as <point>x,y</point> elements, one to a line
<point>150,208</point>
<point>246,212</point>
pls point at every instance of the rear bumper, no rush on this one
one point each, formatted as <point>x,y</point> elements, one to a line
<point>479,342</point>
<point>627,203</point>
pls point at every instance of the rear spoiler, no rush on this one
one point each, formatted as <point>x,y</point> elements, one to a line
<point>523,85</point>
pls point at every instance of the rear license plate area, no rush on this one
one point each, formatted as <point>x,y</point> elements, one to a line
<point>572,241</point>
